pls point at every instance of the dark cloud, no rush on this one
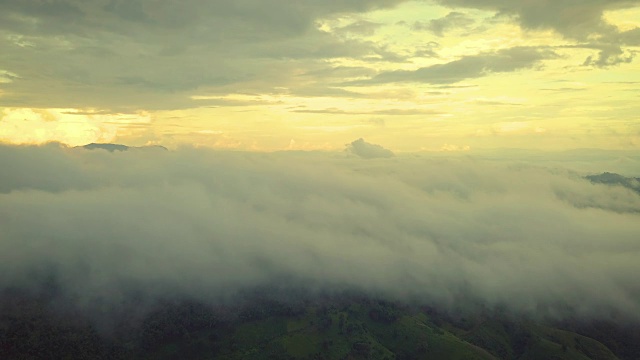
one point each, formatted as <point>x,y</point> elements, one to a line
<point>453,20</point>
<point>202,224</point>
<point>573,19</point>
<point>362,27</point>
<point>630,37</point>
<point>129,81</point>
<point>609,55</point>
<point>201,19</point>
<point>127,55</point>
<point>472,66</point>
<point>427,50</point>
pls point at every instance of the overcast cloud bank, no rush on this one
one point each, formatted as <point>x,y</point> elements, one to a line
<point>205,224</point>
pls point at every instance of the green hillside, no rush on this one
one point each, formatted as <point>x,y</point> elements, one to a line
<point>352,328</point>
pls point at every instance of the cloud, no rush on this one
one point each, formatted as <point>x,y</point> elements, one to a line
<point>451,147</point>
<point>583,21</point>
<point>609,55</point>
<point>123,56</point>
<point>395,112</point>
<point>204,224</point>
<point>630,37</point>
<point>367,150</point>
<point>571,19</point>
<point>130,55</point>
<point>7,76</point>
<point>362,27</point>
<point>470,67</point>
<point>252,19</point>
<point>439,26</point>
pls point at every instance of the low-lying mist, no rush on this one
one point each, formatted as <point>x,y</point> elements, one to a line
<point>205,224</point>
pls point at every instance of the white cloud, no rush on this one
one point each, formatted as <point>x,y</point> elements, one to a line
<point>202,223</point>
<point>367,150</point>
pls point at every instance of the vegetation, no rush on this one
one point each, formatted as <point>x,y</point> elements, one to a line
<point>344,327</point>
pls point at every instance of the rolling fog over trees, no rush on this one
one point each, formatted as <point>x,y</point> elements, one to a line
<point>116,252</point>
<point>205,224</point>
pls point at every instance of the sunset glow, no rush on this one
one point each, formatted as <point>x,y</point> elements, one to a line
<point>412,75</point>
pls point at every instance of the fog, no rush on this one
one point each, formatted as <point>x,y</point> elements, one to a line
<point>205,224</point>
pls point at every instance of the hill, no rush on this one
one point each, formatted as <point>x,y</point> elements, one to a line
<point>338,327</point>
<point>118,147</point>
<point>616,180</point>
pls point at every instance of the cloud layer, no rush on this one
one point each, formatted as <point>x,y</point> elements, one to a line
<point>206,224</point>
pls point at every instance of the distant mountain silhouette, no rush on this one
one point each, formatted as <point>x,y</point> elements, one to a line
<point>616,179</point>
<point>118,147</point>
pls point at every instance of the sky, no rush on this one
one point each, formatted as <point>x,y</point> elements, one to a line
<point>265,75</point>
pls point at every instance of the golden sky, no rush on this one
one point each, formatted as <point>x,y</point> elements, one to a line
<point>441,75</point>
